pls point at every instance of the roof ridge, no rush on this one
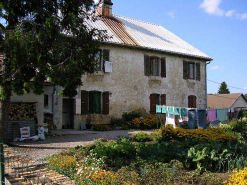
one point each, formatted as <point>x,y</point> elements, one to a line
<point>137,20</point>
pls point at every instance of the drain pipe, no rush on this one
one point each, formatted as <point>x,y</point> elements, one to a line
<point>206,82</point>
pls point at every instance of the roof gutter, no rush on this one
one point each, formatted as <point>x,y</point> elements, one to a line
<point>206,82</point>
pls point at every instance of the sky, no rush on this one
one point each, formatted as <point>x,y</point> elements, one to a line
<point>218,28</point>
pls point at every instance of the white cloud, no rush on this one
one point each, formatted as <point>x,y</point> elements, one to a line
<point>212,7</point>
<point>215,67</point>
<point>242,16</point>
<point>172,14</point>
<point>245,88</point>
<point>230,13</point>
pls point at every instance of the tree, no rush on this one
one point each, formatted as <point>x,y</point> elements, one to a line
<point>245,95</point>
<point>45,39</point>
<point>223,89</point>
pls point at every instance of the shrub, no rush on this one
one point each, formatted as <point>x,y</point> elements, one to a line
<point>143,137</point>
<point>131,115</point>
<point>148,122</point>
<point>115,153</point>
<point>201,135</point>
<point>120,122</point>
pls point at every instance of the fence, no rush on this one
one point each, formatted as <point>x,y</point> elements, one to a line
<point>19,168</point>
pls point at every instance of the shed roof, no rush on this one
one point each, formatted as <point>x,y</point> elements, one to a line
<point>223,100</point>
<point>130,32</point>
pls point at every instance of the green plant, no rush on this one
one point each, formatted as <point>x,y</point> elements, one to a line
<point>118,122</point>
<point>142,137</point>
<point>131,115</point>
<point>115,153</point>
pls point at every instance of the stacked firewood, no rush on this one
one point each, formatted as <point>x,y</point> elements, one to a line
<point>22,112</point>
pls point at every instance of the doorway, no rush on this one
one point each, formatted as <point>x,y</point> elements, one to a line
<point>68,113</point>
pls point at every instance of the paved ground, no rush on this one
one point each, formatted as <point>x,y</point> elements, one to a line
<point>59,140</point>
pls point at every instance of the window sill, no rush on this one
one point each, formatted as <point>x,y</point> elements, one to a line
<point>155,78</point>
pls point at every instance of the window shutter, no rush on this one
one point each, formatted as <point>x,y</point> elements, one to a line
<point>163,67</point>
<point>84,102</point>
<point>163,99</point>
<point>194,101</point>
<point>106,57</point>
<point>147,66</point>
<point>152,103</point>
<point>198,72</point>
<point>105,103</point>
<point>185,70</point>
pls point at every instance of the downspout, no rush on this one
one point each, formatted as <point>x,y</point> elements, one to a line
<point>206,93</point>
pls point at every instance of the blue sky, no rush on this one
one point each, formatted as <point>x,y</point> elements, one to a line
<point>216,27</point>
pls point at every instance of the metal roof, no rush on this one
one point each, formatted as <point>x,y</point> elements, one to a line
<point>131,32</point>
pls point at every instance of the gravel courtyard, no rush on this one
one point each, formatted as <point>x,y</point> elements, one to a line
<point>59,140</point>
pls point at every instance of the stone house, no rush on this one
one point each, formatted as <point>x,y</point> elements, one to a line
<point>140,65</point>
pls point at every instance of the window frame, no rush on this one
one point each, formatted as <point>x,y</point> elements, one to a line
<point>98,61</point>
<point>154,62</point>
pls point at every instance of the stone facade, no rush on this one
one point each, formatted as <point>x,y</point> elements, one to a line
<point>130,89</point>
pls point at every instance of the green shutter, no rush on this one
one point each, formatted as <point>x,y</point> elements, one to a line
<point>185,70</point>
<point>198,72</point>
<point>147,66</point>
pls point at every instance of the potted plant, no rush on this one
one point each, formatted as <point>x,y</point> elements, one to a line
<point>89,122</point>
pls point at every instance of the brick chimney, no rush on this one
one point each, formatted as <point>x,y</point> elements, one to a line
<point>105,8</point>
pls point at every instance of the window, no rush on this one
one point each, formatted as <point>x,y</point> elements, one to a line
<point>94,102</point>
<point>97,61</point>
<point>100,58</point>
<point>190,71</point>
<point>192,101</point>
<point>156,99</point>
<point>46,100</point>
<point>152,66</point>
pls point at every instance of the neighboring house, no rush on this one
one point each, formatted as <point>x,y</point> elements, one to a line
<point>233,100</point>
<point>141,65</point>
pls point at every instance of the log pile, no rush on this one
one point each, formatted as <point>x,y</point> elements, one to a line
<point>22,112</point>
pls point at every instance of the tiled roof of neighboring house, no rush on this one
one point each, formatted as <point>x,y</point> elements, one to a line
<point>222,100</point>
<point>131,32</point>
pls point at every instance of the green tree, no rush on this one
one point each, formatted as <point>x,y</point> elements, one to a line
<point>245,95</point>
<point>44,39</point>
<point>223,89</point>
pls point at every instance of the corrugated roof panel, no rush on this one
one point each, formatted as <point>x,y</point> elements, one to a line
<point>126,31</point>
<point>156,37</point>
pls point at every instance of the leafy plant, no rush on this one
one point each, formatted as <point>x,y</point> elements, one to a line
<point>131,115</point>
<point>143,137</point>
